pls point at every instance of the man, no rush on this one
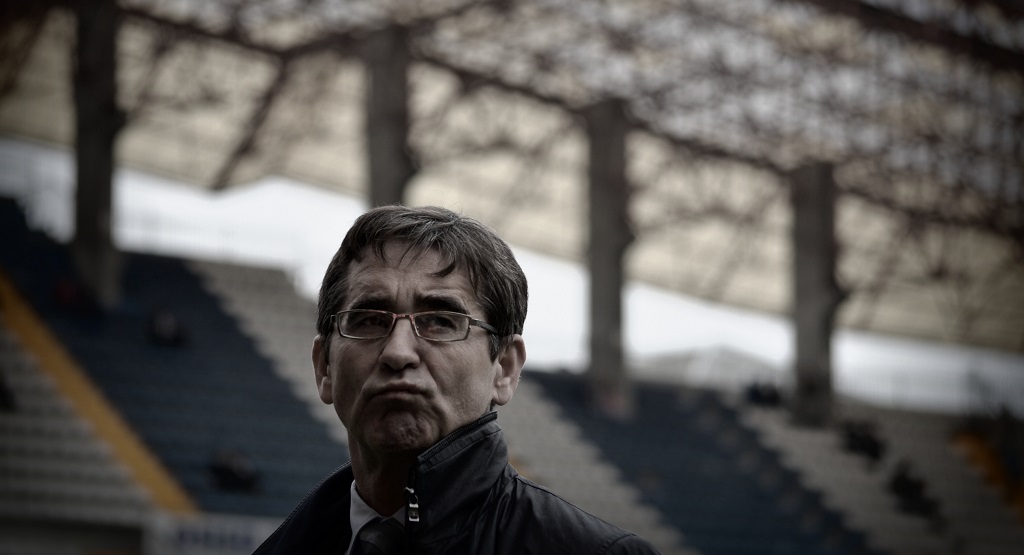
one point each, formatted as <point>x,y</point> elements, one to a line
<point>419,326</point>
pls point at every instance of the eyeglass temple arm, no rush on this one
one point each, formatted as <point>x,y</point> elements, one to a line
<point>484,325</point>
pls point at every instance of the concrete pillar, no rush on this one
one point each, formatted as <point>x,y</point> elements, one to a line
<point>98,121</point>
<point>816,296</point>
<point>390,165</point>
<point>609,237</point>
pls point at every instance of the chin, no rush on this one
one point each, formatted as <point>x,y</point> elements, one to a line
<point>401,433</point>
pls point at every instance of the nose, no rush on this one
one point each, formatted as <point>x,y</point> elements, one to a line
<point>401,347</point>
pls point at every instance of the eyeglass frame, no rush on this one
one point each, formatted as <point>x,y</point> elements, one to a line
<point>412,321</point>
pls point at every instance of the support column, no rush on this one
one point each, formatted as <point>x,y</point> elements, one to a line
<point>610,235</point>
<point>98,121</point>
<point>816,296</point>
<point>390,165</point>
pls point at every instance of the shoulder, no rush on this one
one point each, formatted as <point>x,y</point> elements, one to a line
<point>631,544</point>
<point>322,510</point>
<point>566,528</point>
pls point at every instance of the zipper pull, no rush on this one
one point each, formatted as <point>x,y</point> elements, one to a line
<point>412,512</point>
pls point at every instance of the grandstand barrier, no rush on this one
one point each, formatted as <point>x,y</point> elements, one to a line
<point>206,534</point>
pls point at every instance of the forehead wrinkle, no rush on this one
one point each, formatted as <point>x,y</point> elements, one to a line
<point>375,286</point>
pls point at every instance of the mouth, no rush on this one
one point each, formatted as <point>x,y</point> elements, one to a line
<point>398,390</point>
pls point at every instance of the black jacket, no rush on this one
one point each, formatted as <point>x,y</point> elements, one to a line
<point>463,498</point>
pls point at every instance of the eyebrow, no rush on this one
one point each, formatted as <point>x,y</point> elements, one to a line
<point>440,301</point>
<point>372,302</point>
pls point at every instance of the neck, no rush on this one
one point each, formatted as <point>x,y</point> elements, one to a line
<point>381,481</point>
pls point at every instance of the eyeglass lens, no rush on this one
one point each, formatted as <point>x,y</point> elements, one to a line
<point>373,324</point>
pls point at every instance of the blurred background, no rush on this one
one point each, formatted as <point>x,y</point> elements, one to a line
<point>775,251</point>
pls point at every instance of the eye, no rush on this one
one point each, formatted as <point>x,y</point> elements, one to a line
<point>438,321</point>
<point>367,321</point>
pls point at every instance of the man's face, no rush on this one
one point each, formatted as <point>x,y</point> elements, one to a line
<point>401,393</point>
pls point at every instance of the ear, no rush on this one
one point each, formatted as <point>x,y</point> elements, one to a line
<point>507,370</point>
<point>321,369</point>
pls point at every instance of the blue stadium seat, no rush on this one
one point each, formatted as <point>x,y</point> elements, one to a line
<point>709,476</point>
<point>215,392</point>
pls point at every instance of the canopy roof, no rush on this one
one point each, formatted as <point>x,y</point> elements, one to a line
<point>918,104</point>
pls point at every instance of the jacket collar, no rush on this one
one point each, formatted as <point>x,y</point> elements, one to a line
<point>450,481</point>
<point>453,478</point>
<point>319,524</point>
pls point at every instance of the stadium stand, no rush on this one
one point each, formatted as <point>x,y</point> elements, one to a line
<point>973,519</point>
<point>281,323</point>
<point>708,476</point>
<point>232,412</point>
<point>994,446</point>
<point>54,471</point>
<point>196,405</point>
<point>552,450</point>
<point>848,484</point>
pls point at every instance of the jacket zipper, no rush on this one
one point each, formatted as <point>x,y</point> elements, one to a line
<point>412,508</point>
<point>412,501</point>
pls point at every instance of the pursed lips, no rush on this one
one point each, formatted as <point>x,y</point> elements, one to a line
<point>397,389</point>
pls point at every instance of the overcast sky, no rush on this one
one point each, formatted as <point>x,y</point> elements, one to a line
<point>298,227</point>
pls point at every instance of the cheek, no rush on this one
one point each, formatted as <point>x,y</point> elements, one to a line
<point>469,386</point>
<point>348,382</point>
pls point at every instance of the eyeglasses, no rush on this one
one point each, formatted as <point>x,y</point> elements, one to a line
<point>432,326</point>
